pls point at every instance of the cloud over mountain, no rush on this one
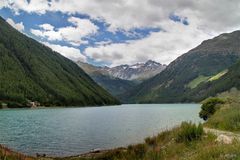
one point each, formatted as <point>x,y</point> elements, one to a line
<point>18,26</point>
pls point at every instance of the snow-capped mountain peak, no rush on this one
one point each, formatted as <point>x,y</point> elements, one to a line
<point>138,71</point>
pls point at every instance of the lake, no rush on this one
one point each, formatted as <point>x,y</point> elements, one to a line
<point>72,131</point>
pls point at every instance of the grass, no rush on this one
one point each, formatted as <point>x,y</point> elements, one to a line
<point>217,76</point>
<point>227,118</point>
<point>7,154</point>
<point>194,83</point>
<point>189,132</point>
<point>231,96</point>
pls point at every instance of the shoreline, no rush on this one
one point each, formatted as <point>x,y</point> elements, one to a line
<point>90,154</point>
<point>5,152</point>
<point>57,107</point>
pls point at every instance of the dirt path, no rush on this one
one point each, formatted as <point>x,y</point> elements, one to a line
<point>220,132</point>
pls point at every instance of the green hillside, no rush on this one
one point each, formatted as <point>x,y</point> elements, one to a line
<point>188,71</point>
<point>31,71</point>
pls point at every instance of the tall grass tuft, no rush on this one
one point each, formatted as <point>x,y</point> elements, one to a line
<point>189,132</point>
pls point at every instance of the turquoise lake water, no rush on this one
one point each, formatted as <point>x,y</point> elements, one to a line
<point>72,131</point>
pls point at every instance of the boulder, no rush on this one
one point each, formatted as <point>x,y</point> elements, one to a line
<point>224,139</point>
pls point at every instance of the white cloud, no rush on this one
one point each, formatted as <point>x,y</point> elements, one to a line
<point>69,52</point>
<point>18,26</point>
<point>3,3</point>
<point>51,35</point>
<point>70,34</point>
<point>126,14</point>
<point>206,19</point>
<point>38,6</point>
<point>37,32</point>
<point>46,27</point>
<point>160,46</point>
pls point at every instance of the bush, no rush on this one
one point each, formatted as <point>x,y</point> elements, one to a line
<point>151,141</point>
<point>209,108</point>
<point>140,150</point>
<point>189,132</point>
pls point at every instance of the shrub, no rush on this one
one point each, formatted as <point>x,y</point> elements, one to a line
<point>189,132</point>
<point>130,148</point>
<point>151,141</point>
<point>209,108</point>
<point>140,150</point>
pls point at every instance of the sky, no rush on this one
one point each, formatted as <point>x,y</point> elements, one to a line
<point>115,32</point>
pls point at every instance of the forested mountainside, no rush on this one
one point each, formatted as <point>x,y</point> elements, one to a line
<point>30,71</point>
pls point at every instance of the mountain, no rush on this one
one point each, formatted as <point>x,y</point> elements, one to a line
<point>136,72</point>
<point>120,79</point>
<point>183,75</point>
<point>115,86</point>
<point>30,71</point>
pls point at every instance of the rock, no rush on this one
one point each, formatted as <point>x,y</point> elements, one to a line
<point>224,139</point>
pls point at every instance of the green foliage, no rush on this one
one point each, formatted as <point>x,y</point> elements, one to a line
<point>219,75</point>
<point>31,71</point>
<point>194,83</point>
<point>189,132</point>
<point>151,141</point>
<point>140,150</point>
<point>209,107</point>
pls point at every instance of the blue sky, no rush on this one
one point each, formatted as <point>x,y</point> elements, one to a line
<point>121,32</point>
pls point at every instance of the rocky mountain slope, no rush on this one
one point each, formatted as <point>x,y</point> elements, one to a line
<point>138,72</point>
<point>120,79</point>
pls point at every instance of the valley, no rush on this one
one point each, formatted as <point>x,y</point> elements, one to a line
<point>119,80</point>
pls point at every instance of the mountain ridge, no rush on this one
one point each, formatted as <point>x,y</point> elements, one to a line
<point>135,72</point>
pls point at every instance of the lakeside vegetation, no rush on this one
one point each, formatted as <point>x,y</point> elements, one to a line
<point>227,117</point>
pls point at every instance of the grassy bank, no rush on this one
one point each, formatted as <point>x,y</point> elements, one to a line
<point>180,143</point>
<point>227,117</point>
<point>7,154</point>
